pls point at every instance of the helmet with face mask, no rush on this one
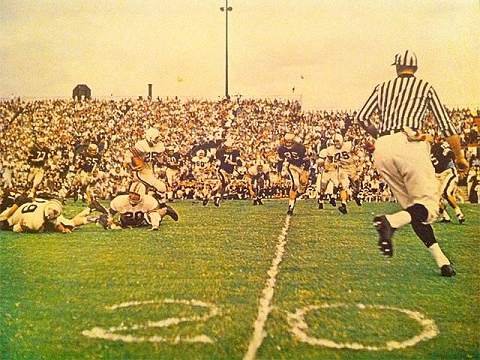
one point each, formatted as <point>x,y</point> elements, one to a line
<point>136,193</point>
<point>53,209</point>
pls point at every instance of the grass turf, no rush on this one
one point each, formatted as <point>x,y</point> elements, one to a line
<point>54,287</point>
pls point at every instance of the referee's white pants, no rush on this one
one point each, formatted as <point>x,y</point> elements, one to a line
<point>408,170</point>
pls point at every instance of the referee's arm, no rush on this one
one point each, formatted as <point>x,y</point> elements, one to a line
<point>365,114</point>
<point>448,130</point>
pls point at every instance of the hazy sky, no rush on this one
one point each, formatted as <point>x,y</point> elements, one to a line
<point>332,51</point>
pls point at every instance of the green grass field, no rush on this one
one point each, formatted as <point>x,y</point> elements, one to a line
<point>194,290</point>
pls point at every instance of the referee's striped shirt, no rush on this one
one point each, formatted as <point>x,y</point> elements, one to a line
<point>402,102</point>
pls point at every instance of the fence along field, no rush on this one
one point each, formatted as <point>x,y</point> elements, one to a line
<point>239,282</point>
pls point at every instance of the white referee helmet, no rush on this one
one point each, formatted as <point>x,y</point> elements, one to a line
<point>407,59</point>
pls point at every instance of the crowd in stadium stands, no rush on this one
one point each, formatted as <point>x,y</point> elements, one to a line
<point>256,127</point>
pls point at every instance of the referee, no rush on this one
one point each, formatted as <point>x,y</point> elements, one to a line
<point>402,154</point>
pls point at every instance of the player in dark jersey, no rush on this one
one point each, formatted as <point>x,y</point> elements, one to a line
<point>257,177</point>
<point>88,161</point>
<point>173,162</point>
<point>292,154</point>
<point>443,160</point>
<point>229,159</point>
<point>37,159</point>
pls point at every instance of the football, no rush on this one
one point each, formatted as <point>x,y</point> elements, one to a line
<point>137,163</point>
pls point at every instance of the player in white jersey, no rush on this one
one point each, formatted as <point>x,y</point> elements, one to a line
<point>145,155</point>
<point>138,209</point>
<point>34,216</point>
<point>339,161</point>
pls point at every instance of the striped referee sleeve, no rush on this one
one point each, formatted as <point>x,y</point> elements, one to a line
<point>365,113</point>
<point>440,114</point>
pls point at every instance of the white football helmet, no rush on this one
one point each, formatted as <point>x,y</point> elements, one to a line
<point>53,209</point>
<point>151,135</point>
<point>136,193</point>
<point>338,140</point>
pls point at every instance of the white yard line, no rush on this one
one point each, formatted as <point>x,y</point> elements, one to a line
<point>266,301</point>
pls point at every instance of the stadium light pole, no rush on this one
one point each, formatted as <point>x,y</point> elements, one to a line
<point>226,9</point>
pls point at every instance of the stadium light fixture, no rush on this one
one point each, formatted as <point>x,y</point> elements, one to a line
<point>226,9</point>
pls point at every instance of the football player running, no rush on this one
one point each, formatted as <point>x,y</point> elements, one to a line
<point>37,159</point>
<point>257,176</point>
<point>229,159</point>
<point>88,164</point>
<point>339,167</point>
<point>292,154</point>
<point>443,160</point>
<point>137,209</point>
<point>146,154</point>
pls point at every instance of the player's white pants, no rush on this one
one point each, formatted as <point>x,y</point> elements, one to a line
<point>408,170</point>
<point>36,175</point>
<point>150,180</point>
<point>295,172</point>
<point>447,182</point>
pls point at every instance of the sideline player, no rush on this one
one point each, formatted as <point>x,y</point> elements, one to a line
<point>137,209</point>
<point>443,159</point>
<point>403,157</point>
<point>292,153</point>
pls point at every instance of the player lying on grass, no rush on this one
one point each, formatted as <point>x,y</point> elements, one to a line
<point>21,213</point>
<point>137,209</point>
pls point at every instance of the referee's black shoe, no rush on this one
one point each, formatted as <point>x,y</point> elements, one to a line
<point>385,231</point>
<point>447,270</point>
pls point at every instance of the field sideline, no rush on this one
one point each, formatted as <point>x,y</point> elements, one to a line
<point>240,281</point>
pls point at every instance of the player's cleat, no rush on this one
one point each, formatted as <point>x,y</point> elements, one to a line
<point>103,220</point>
<point>205,202</point>
<point>290,211</point>
<point>154,228</point>
<point>461,218</point>
<point>343,209</point>
<point>333,202</point>
<point>445,220</point>
<point>358,201</point>
<point>320,205</point>
<point>447,270</point>
<point>216,202</point>
<point>172,213</point>
<point>385,231</point>
<point>255,202</point>
<point>3,224</point>
<point>95,205</point>
<point>259,202</point>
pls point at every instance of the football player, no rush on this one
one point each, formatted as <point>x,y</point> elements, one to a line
<point>35,216</point>
<point>257,176</point>
<point>293,154</point>
<point>339,167</point>
<point>88,165</point>
<point>173,163</point>
<point>37,159</point>
<point>228,158</point>
<point>137,209</point>
<point>443,160</point>
<point>146,154</point>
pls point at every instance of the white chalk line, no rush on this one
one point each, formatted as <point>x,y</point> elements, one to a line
<point>300,327</point>
<point>265,306</point>
<point>113,335</point>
